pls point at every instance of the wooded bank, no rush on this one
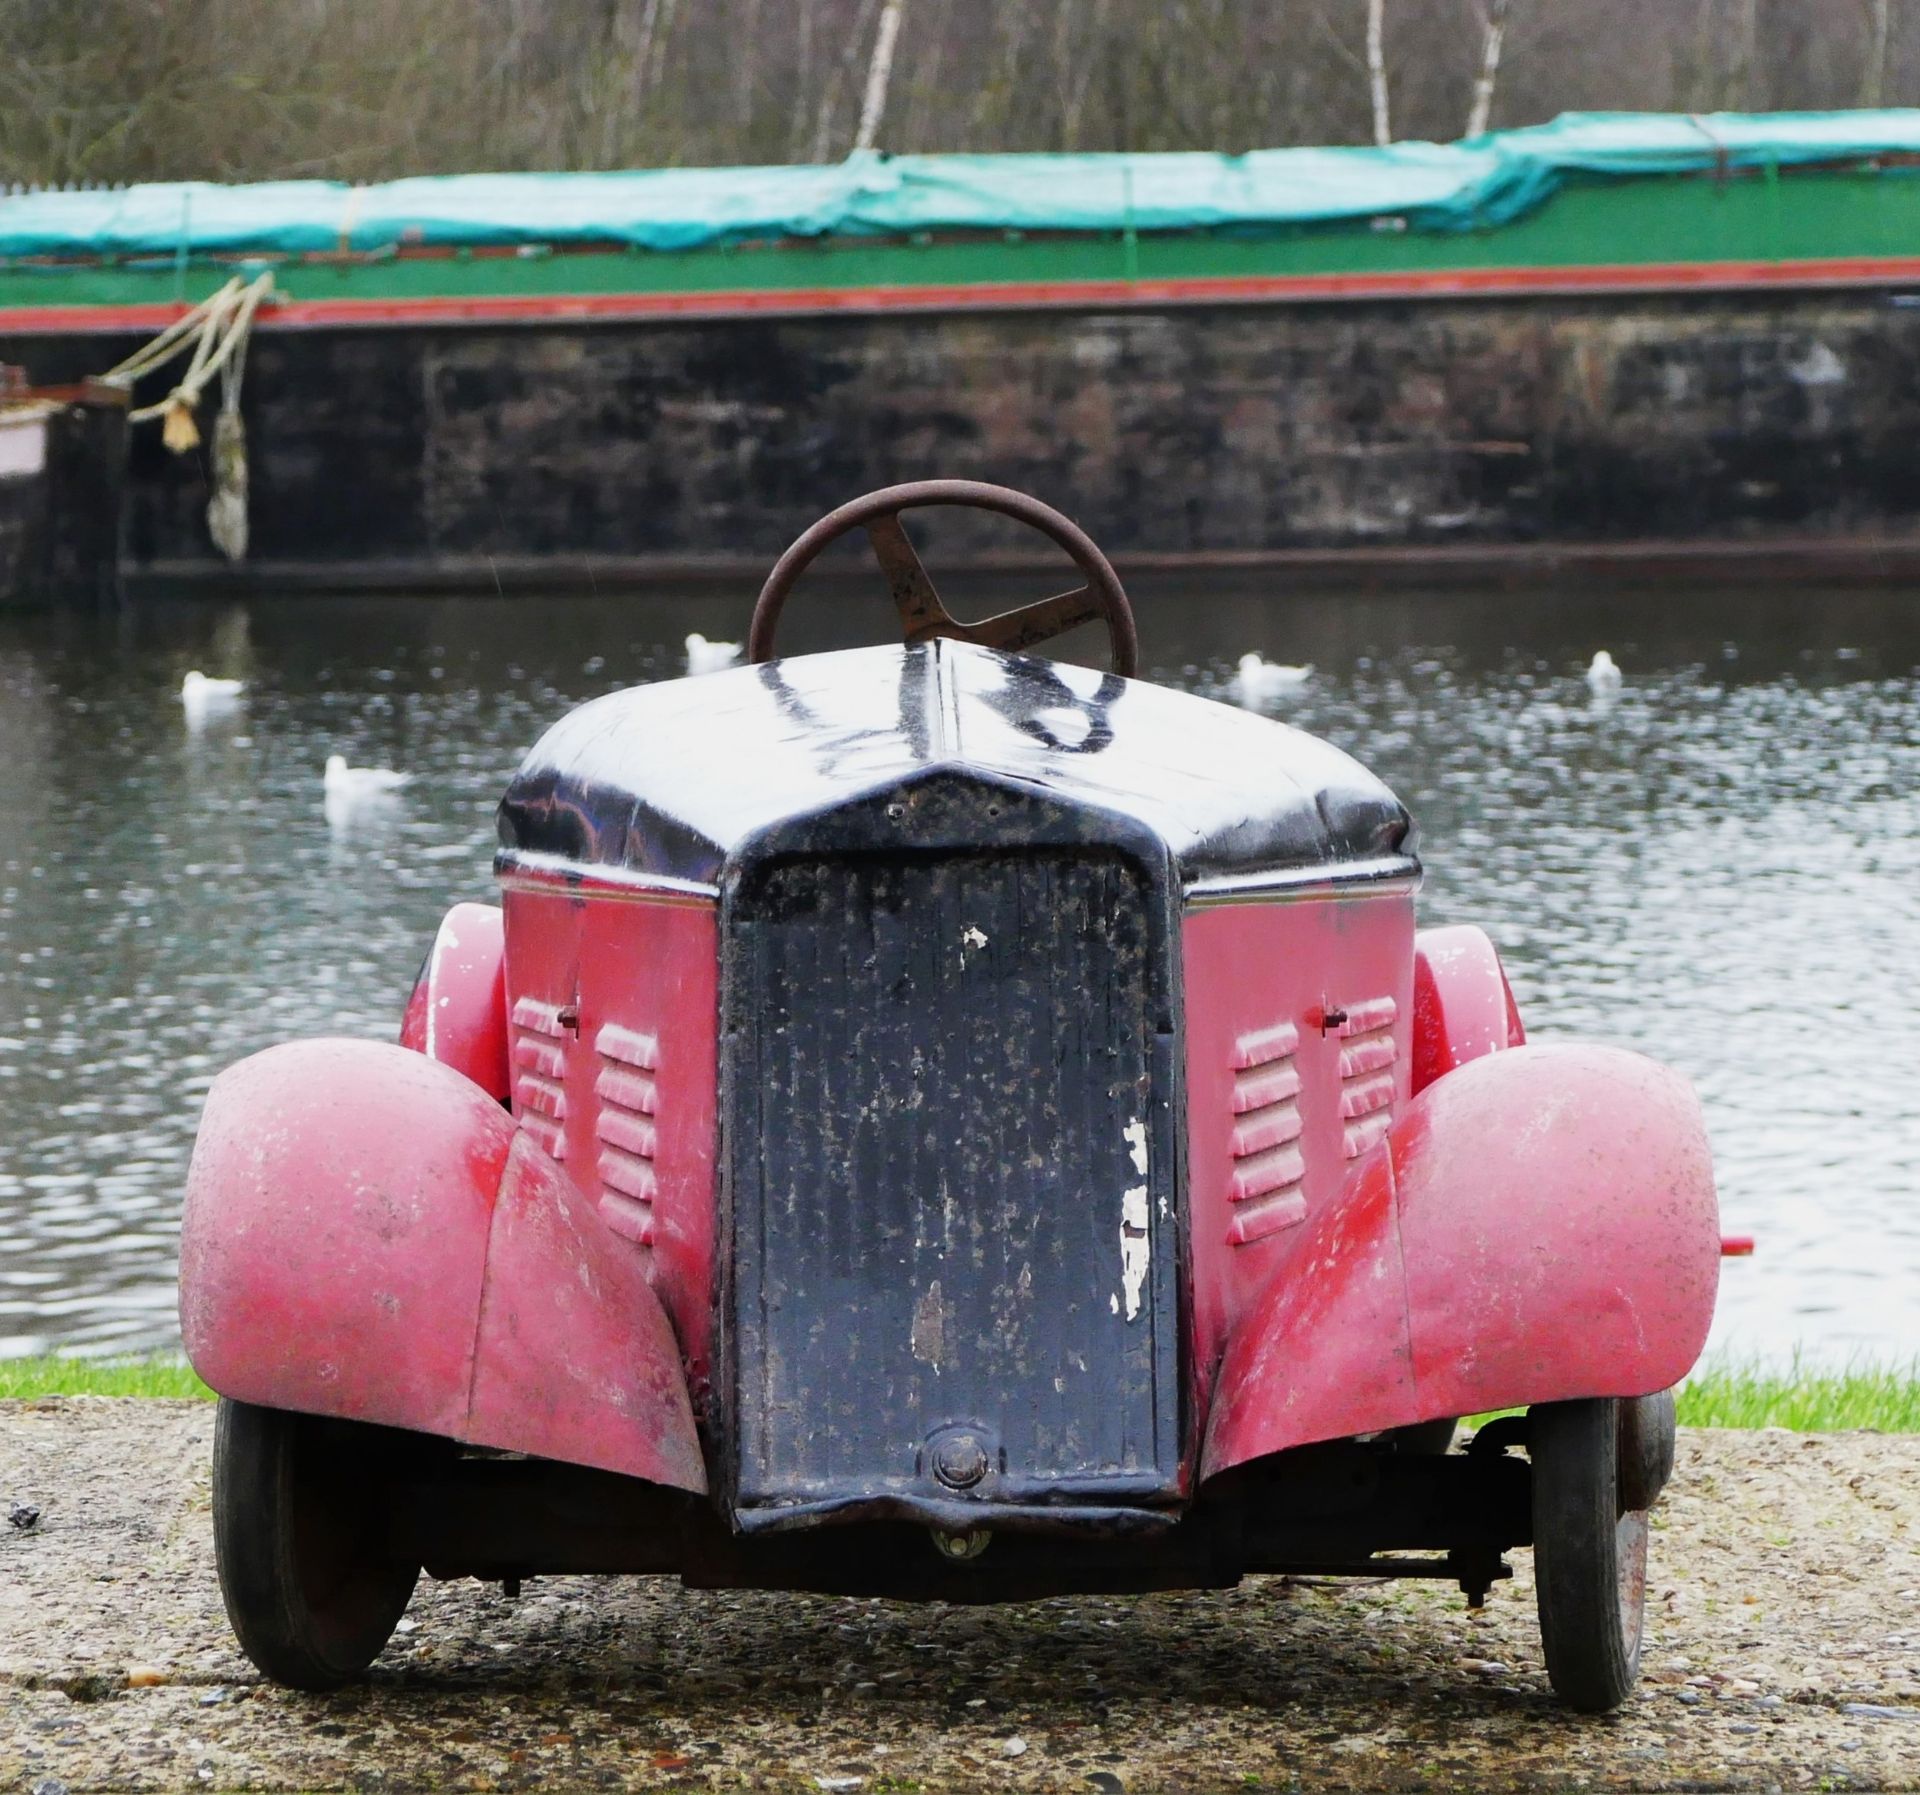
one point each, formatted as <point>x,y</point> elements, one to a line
<point>233,90</point>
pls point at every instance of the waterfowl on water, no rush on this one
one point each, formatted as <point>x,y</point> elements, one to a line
<point>1260,679</point>
<point>198,689</point>
<point>710,657</point>
<point>343,781</point>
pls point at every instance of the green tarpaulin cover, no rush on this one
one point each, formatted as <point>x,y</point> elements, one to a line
<point>1477,183</point>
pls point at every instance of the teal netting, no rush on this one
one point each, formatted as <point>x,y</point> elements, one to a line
<point>1479,182</point>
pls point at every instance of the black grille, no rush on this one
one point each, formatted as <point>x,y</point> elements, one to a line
<point>943,1075</point>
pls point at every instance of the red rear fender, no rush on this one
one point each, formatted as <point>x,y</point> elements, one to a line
<point>367,1234</point>
<point>1539,1226</point>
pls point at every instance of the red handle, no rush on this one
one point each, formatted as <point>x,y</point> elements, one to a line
<point>1736,1246</point>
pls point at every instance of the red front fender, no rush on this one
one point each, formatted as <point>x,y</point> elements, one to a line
<point>458,1011</point>
<point>1463,1006</point>
<point>368,1235</point>
<point>1539,1226</point>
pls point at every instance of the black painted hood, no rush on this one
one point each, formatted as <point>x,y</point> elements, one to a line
<point>670,780</point>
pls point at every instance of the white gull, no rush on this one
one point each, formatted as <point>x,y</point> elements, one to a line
<point>710,657</point>
<point>1260,679</point>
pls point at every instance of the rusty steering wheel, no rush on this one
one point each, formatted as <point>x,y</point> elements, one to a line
<point>921,610</point>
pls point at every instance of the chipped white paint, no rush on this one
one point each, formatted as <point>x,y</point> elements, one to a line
<point>972,937</point>
<point>1135,1135</point>
<point>1136,1249</point>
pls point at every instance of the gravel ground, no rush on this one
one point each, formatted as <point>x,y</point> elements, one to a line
<point>1784,1651</point>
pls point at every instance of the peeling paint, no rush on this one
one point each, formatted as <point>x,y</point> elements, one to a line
<point>1135,1135</point>
<point>928,1340</point>
<point>972,937</point>
<point>1136,1246</point>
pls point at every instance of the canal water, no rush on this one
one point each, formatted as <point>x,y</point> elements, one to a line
<point>1719,865</point>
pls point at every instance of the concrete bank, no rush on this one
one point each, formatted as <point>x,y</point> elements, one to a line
<point>1784,1651</point>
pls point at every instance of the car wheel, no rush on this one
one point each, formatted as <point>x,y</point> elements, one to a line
<point>299,1525</point>
<point>1589,1554</point>
<point>1423,1439</point>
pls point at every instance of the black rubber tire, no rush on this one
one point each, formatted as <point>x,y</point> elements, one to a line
<point>1589,1558</point>
<point>299,1523</point>
<point>1647,1440</point>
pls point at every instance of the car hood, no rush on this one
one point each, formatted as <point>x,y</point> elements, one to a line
<point>670,780</point>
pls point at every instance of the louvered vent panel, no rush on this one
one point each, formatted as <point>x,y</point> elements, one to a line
<point>1368,1050</point>
<point>540,1033</point>
<point>624,1128</point>
<point>1268,1166</point>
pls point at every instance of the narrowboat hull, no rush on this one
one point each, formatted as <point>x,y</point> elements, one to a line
<point>1711,368</point>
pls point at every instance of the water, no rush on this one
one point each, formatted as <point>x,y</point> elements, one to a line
<point>1721,867</point>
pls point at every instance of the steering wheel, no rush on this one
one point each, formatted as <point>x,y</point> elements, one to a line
<point>921,611</point>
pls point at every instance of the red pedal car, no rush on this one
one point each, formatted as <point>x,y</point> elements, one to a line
<point>928,1121</point>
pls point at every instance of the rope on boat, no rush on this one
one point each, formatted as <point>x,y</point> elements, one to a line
<point>216,331</point>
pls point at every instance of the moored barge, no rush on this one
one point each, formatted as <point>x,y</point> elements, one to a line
<point>1613,340</point>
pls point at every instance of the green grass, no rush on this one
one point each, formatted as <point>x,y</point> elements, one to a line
<point>1804,1398</point>
<point>153,1376</point>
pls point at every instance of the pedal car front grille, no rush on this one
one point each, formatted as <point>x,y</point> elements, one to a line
<point>953,1254</point>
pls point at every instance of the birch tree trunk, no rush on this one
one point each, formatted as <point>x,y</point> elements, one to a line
<point>1747,49</point>
<point>1483,86</point>
<point>879,73</point>
<point>1873,86</point>
<point>1077,72</point>
<point>1377,69</point>
<point>802,82</point>
<point>1703,94</point>
<point>637,41</point>
<point>836,79</point>
<point>656,62</point>
<point>746,73</point>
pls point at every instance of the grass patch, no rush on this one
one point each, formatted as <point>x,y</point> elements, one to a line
<point>1797,1396</point>
<point>153,1376</point>
<point>1805,1398</point>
